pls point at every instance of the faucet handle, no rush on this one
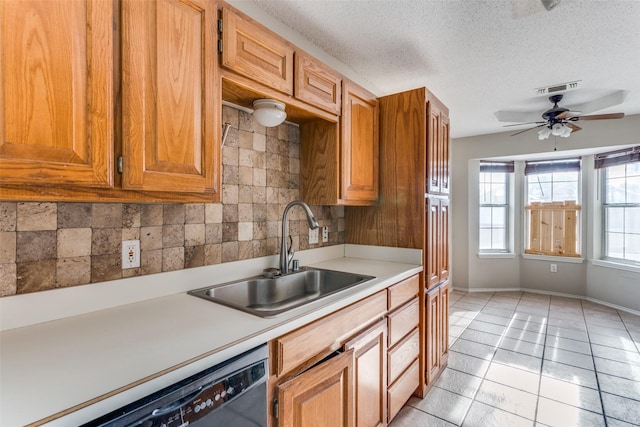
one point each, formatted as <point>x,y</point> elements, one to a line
<point>270,273</point>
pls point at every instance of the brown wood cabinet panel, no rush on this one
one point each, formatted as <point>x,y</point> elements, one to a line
<point>320,162</point>
<point>398,219</point>
<point>359,145</point>
<point>401,356</point>
<point>316,83</point>
<point>403,388</point>
<point>305,344</point>
<point>402,292</point>
<point>321,396</point>
<point>443,241</point>
<point>432,339</point>
<point>437,147</point>
<point>370,383</point>
<point>403,320</point>
<point>251,50</point>
<point>437,241</point>
<point>57,93</point>
<point>444,324</point>
<point>171,123</point>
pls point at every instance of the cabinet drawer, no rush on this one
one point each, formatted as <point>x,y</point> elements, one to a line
<point>402,321</point>
<point>302,345</point>
<point>402,292</point>
<point>402,355</point>
<point>401,391</point>
<point>316,83</point>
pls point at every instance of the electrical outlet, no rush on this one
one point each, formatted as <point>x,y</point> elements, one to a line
<point>553,268</point>
<point>325,234</point>
<point>130,254</point>
<point>313,236</point>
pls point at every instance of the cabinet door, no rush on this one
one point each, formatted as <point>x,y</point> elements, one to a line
<point>359,142</point>
<point>443,240</point>
<point>443,150</point>
<point>252,51</point>
<point>437,147</point>
<point>317,84</point>
<point>444,324</point>
<point>431,242</point>
<point>319,397</point>
<point>432,338</point>
<point>370,376</point>
<point>56,92</point>
<point>171,117</point>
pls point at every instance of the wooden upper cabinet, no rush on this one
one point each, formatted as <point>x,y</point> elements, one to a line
<point>170,96</point>
<point>253,51</point>
<point>359,146</point>
<point>437,146</point>
<point>316,83</point>
<point>436,241</point>
<point>56,93</point>
<point>321,396</point>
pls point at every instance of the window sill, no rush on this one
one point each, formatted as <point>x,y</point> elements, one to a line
<point>503,255</point>
<point>570,260</point>
<point>616,265</point>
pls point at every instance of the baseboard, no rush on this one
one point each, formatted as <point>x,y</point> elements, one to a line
<point>556,294</point>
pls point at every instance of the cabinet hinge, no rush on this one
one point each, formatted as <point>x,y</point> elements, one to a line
<point>119,164</point>
<point>219,46</point>
<point>220,26</point>
<point>275,408</point>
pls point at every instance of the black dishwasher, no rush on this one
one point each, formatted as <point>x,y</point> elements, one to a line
<point>231,394</point>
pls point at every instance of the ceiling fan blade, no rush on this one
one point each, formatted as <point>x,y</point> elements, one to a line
<point>600,117</point>
<point>522,124</point>
<point>573,127</point>
<point>526,130</point>
<point>568,114</point>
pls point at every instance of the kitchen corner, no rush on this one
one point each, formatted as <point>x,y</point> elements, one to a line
<point>83,351</point>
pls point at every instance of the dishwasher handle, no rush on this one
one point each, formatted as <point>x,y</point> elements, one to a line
<point>177,404</point>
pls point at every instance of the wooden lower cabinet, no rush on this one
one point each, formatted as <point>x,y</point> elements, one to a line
<point>321,396</point>
<point>436,331</point>
<point>370,379</point>
<point>355,367</point>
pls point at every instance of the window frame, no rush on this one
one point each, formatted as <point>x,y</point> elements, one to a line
<point>506,168</point>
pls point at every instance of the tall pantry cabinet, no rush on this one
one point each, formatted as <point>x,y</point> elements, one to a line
<point>413,209</point>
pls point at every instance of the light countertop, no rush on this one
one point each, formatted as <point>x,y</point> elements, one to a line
<point>69,370</point>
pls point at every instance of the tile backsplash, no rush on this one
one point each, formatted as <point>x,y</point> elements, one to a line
<point>47,245</point>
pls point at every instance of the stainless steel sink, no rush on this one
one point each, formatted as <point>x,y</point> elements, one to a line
<point>268,297</point>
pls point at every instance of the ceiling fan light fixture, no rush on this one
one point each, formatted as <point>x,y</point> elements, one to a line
<point>550,4</point>
<point>544,133</point>
<point>566,131</point>
<point>557,129</point>
<point>269,112</point>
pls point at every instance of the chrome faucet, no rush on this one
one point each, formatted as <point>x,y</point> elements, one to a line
<point>286,255</point>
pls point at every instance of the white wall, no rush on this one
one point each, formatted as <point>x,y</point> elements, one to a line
<point>468,271</point>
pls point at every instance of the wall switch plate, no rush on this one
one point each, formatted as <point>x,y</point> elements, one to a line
<point>553,268</point>
<point>130,254</point>
<point>325,234</point>
<point>313,236</point>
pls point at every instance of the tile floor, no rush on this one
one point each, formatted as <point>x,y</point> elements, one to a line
<point>525,359</point>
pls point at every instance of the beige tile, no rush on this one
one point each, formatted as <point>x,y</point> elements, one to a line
<point>245,175</point>
<point>229,195</point>
<point>213,234</point>
<point>174,214</point>
<point>245,194</point>
<point>150,238</point>
<point>513,377</point>
<point>229,156</point>
<point>173,236</point>
<point>36,216</point>
<point>229,232</point>
<point>213,213</point>
<point>131,233</point>
<point>245,157</point>
<point>444,405</point>
<point>173,259</point>
<point>151,214</point>
<point>74,242</point>
<point>151,261</point>
<point>554,413</point>
<point>106,241</point>
<point>245,139</point>
<point>259,177</point>
<point>8,216</point>
<point>230,176</point>
<point>571,394</point>
<point>7,247</point>
<point>230,213</point>
<point>35,276</point>
<point>106,267</point>
<point>106,215</point>
<point>75,215</point>
<point>229,251</point>
<point>212,254</point>
<point>459,382</point>
<point>73,271</point>
<point>483,415</point>
<point>245,212</point>
<point>8,278</point>
<point>259,142</point>
<point>245,231</point>
<point>131,215</point>
<point>194,256</point>
<point>508,399</point>
<point>35,246</point>
<point>230,115</point>
<point>194,234</point>
<point>194,213</point>
<point>245,250</point>
<point>573,374</point>
<point>259,195</point>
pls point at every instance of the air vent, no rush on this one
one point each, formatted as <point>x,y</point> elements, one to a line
<point>562,87</point>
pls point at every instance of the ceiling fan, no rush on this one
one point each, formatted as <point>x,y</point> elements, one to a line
<point>559,121</point>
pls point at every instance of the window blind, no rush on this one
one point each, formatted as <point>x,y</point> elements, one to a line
<point>550,166</point>
<point>618,157</point>
<point>489,166</point>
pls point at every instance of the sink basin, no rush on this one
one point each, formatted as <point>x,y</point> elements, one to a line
<point>268,297</point>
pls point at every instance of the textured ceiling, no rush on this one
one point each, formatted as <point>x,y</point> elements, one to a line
<point>478,57</point>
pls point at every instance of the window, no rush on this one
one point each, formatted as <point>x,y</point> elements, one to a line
<point>553,193</point>
<point>620,173</point>
<point>494,206</point>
